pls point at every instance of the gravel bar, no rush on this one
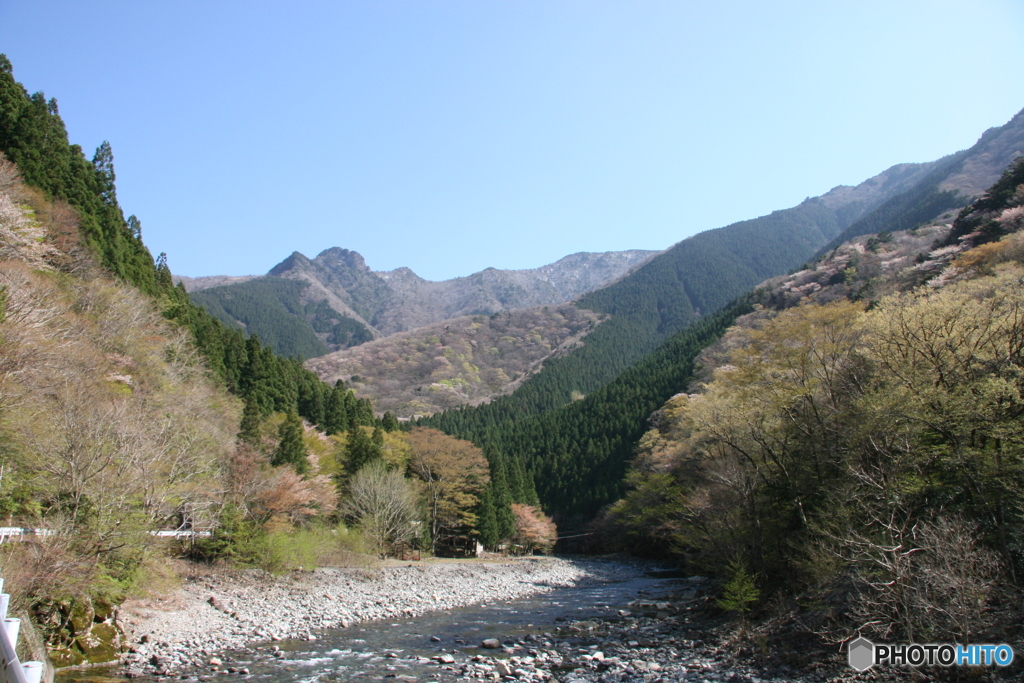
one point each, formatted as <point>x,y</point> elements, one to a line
<point>216,612</point>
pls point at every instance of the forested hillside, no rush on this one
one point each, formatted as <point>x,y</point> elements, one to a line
<point>459,361</point>
<point>274,309</point>
<point>857,438</point>
<point>952,184</point>
<point>578,452</point>
<point>83,198</point>
<point>564,444</point>
<point>126,409</point>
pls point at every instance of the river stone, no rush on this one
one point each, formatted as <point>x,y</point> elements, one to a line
<point>81,616</point>
<point>491,643</point>
<point>96,650</point>
<point>103,609</point>
<point>65,656</point>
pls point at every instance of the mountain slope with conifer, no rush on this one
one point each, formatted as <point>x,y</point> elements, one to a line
<point>867,405</point>
<point>578,450</point>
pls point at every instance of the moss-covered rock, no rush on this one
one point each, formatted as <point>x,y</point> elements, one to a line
<point>102,645</point>
<point>103,609</point>
<point>80,616</point>
<point>80,631</point>
<point>66,656</point>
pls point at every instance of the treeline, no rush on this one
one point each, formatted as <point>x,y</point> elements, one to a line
<point>33,136</point>
<point>578,453</point>
<point>577,450</point>
<point>991,215</point>
<point>276,391</point>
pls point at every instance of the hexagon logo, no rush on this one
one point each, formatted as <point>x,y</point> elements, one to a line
<point>862,654</point>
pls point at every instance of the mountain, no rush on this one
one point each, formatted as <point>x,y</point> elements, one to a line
<point>684,284</point>
<point>866,405</point>
<point>336,301</point>
<point>578,450</point>
<point>953,182</point>
<point>194,284</point>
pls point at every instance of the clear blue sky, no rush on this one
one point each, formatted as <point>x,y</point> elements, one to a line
<point>452,136</point>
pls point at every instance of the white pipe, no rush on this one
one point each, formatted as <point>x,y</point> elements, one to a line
<point>5,602</point>
<point>33,671</point>
<point>12,626</point>
<point>13,673</point>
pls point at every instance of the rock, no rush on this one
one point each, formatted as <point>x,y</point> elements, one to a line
<point>435,639</point>
<point>491,643</point>
<point>214,661</point>
<point>81,616</point>
<point>502,668</point>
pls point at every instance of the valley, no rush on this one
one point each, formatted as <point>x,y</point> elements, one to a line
<point>814,414</point>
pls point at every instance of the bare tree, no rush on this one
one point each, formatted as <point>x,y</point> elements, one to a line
<point>383,503</point>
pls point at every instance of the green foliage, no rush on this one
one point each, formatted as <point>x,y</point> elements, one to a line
<point>273,308</point>
<point>243,542</point>
<point>487,521</point>
<point>249,429</point>
<point>501,499</point>
<point>628,366</point>
<point>840,445</point>
<point>361,451</point>
<point>982,215</point>
<point>339,413</point>
<point>33,136</point>
<point>740,591</point>
<point>389,423</point>
<point>290,449</point>
<point>577,453</point>
<point>235,539</point>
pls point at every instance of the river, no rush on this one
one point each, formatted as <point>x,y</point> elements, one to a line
<point>408,649</point>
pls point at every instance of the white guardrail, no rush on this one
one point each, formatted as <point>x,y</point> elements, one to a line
<point>12,670</point>
<point>10,534</point>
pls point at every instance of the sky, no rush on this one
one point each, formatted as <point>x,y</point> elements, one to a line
<point>451,136</point>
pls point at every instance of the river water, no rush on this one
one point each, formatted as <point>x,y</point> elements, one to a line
<point>401,650</point>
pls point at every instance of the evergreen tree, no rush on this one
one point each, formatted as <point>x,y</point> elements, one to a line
<point>501,497</point>
<point>290,448</point>
<point>487,520</point>
<point>363,411</point>
<point>361,450</point>
<point>389,423</point>
<point>249,431</point>
<point>336,415</point>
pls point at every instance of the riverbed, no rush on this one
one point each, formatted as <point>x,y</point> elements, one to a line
<point>560,626</point>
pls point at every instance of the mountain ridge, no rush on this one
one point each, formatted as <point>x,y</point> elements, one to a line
<point>339,288</point>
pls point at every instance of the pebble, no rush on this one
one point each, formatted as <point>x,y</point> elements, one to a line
<point>226,611</point>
